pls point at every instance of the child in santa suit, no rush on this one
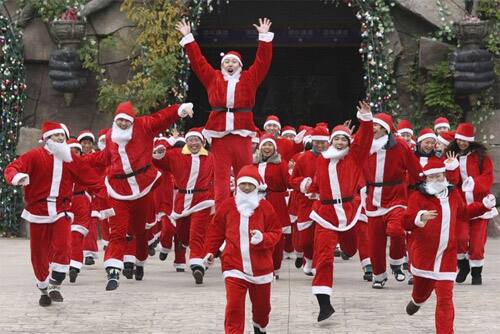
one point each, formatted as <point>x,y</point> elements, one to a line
<point>251,229</point>
<point>432,216</point>
<point>441,124</point>
<point>231,94</point>
<point>385,172</point>
<point>48,174</point>
<point>405,131</point>
<point>193,170</point>
<point>130,178</point>
<point>274,172</point>
<point>337,211</point>
<point>301,179</point>
<point>287,147</point>
<point>475,180</point>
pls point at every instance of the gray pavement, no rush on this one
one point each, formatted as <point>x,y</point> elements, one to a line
<point>169,302</point>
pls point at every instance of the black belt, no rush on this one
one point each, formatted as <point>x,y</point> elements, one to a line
<point>134,173</point>
<point>191,191</point>
<point>383,184</point>
<point>231,109</point>
<point>337,201</point>
<point>79,193</point>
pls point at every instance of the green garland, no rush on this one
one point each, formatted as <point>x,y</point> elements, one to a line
<point>12,97</point>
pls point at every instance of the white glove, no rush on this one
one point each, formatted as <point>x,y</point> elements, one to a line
<point>186,109</point>
<point>299,137</point>
<point>21,179</point>
<point>305,184</point>
<point>468,184</point>
<point>489,201</point>
<point>208,260</point>
<point>312,196</point>
<point>257,237</point>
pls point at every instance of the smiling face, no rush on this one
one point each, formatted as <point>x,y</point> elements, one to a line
<point>320,145</point>
<point>194,144</point>
<point>378,131</point>
<point>406,136</point>
<point>230,65</point>
<point>427,145</point>
<point>340,142</point>
<point>246,187</point>
<point>87,146</point>
<point>441,129</point>
<point>272,128</point>
<point>123,124</point>
<point>462,144</point>
<point>267,149</point>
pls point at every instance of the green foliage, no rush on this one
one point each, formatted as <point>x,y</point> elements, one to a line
<point>490,10</point>
<point>51,10</point>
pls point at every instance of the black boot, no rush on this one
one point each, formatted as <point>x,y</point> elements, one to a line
<point>128,270</point>
<point>163,256</point>
<point>399,275</point>
<point>44,300</point>
<point>368,275</point>
<point>256,330</point>
<point>463,270</point>
<point>73,274</point>
<point>476,275</point>
<point>337,252</point>
<point>54,290</point>
<point>113,278</point>
<point>151,249</point>
<point>325,307</point>
<point>89,261</point>
<point>298,262</point>
<point>198,273</point>
<point>344,256</point>
<point>139,273</point>
<point>412,308</point>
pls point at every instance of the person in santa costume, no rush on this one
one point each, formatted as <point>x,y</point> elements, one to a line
<point>274,172</point>
<point>288,132</point>
<point>301,179</point>
<point>441,124</point>
<point>443,140</point>
<point>336,213</point>
<point>385,171</point>
<point>286,148</point>
<point>475,179</point>
<point>193,170</point>
<point>405,131</point>
<point>432,216</point>
<point>48,174</point>
<point>250,228</point>
<point>129,180</point>
<point>231,94</point>
<point>104,224</point>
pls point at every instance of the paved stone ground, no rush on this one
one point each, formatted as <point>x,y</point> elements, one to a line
<point>169,302</point>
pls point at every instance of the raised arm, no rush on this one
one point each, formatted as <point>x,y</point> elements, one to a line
<point>165,118</point>
<point>262,63</point>
<point>360,148</point>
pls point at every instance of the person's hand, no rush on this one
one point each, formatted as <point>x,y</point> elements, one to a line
<point>264,25</point>
<point>208,260</point>
<point>489,201</point>
<point>348,124</point>
<point>364,107</point>
<point>428,215</point>
<point>24,181</point>
<point>183,27</point>
<point>185,110</point>
<point>451,156</point>
<point>257,237</point>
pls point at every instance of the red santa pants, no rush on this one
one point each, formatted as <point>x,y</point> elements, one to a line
<point>129,216</point>
<point>229,151</point>
<point>80,206</point>
<point>278,253</point>
<point>260,296</point>
<point>197,223</point>
<point>445,311</point>
<point>104,224</point>
<point>166,235</point>
<point>472,235</point>
<point>90,248</point>
<point>325,241</point>
<point>363,243</point>
<point>296,241</point>
<point>306,240</point>
<point>377,235</point>
<point>50,246</point>
<point>288,247</point>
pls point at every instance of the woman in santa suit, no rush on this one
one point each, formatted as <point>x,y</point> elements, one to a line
<point>432,216</point>
<point>274,172</point>
<point>251,229</point>
<point>475,181</point>
<point>231,94</point>
<point>336,213</point>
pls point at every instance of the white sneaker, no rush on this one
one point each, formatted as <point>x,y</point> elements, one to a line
<point>308,270</point>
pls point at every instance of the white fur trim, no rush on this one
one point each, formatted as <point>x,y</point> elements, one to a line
<point>343,226</point>
<point>396,262</point>
<point>443,141</point>
<point>418,218</point>
<point>365,262</point>
<point>304,225</point>
<point>52,132</point>
<point>382,211</point>
<point>263,279</point>
<point>266,37</point>
<point>113,263</point>
<point>426,136</point>
<point>262,329</point>
<point>189,38</point>
<point>198,207</point>
<point>382,124</point>
<point>257,238</point>
<point>435,275</point>
<point>247,179</point>
<point>75,145</point>
<point>321,290</point>
<point>59,267</point>
<point>320,138</point>
<point>364,117</point>
<point>268,140</point>
<point>434,171</point>
<point>272,122</point>
<point>75,264</point>
<point>124,116</point>
<point>36,219</point>
<point>106,213</point>
<point>461,137</point>
<point>196,262</point>
<point>80,229</point>
<point>441,125</point>
<point>113,194</point>
<point>476,263</point>
<point>219,134</point>
<point>405,130</point>
<point>305,182</point>
<point>19,176</point>
<point>289,132</point>
<point>286,229</point>
<point>194,133</point>
<point>86,134</point>
<point>129,258</point>
<point>231,56</point>
<point>343,133</point>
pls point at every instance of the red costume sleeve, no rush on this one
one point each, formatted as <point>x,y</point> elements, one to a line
<point>262,63</point>
<point>216,231</point>
<point>84,174</point>
<point>100,159</point>
<point>412,164</point>
<point>165,162</point>
<point>272,233</point>
<point>160,120</point>
<point>297,176</point>
<point>199,64</point>
<point>472,210</point>
<point>412,211</point>
<point>484,181</point>
<point>20,165</point>
<point>360,147</point>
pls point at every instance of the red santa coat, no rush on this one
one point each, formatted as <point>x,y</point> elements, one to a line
<point>233,92</point>
<point>338,179</point>
<point>288,148</point>
<point>81,208</point>
<point>388,167</point>
<point>164,195</point>
<point>241,259</point>
<point>191,172</point>
<point>293,210</point>
<point>133,158</point>
<point>303,172</point>
<point>434,247</point>
<point>48,195</point>
<point>274,172</point>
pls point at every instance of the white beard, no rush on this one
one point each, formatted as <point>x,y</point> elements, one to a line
<point>234,76</point>
<point>61,151</point>
<point>436,188</point>
<point>334,153</point>
<point>120,136</point>
<point>378,143</point>
<point>246,203</point>
<point>101,145</point>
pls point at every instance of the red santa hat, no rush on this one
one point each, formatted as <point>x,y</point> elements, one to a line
<point>404,126</point>
<point>271,119</point>
<point>85,134</point>
<point>74,143</point>
<point>446,137</point>
<point>161,142</point>
<point>341,130</point>
<point>323,124</point>
<point>426,133</point>
<point>51,128</point>
<point>126,111</point>
<point>288,130</point>
<point>267,138</point>
<point>102,134</point>
<point>232,55</point>
<point>66,130</point>
<point>320,133</point>
<point>249,174</point>
<point>465,131</point>
<point>434,166</point>
<point>303,127</point>
<point>197,132</point>
<point>385,121</point>
<point>441,122</point>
